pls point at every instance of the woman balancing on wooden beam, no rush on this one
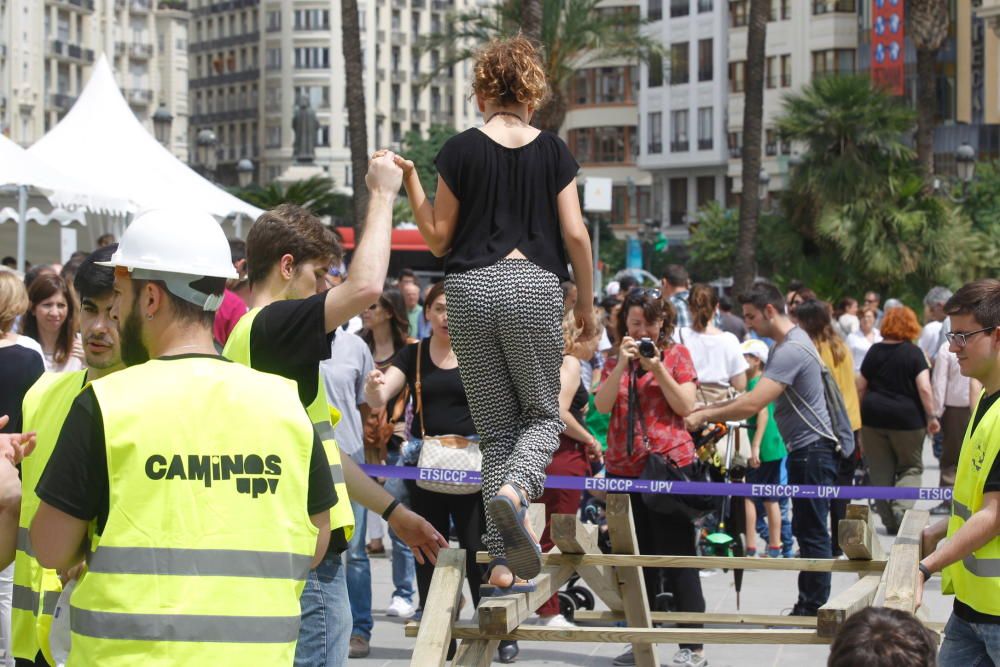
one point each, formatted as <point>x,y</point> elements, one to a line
<point>506,215</point>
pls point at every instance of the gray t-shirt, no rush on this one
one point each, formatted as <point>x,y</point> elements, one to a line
<point>344,376</point>
<point>799,369</point>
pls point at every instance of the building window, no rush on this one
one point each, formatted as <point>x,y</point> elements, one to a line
<point>312,19</point>
<point>274,136</point>
<point>705,128</point>
<point>319,96</point>
<point>272,98</point>
<point>679,64</point>
<point>654,10</point>
<point>735,145</point>
<point>679,131</point>
<point>737,76</point>
<point>655,133</point>
<point>611,85</point>
<point>678,200</point>
<point>836,62</point>
<point>274,58</point>
<point>738,13</point>
<point>771,78</point>
<point>786,71</point>
<point>655,70</point>
<point>323,135</point>
<point>312,57</point>
<point>704,6</point>
<point>770,142</point>
<point>704,190</point>
<point>616,145</point>
<point>274,20</point>
<point>831,6</point>
<point>781,10</point>
<point>706,71</point>
<point>582,87</point>
<point>679,8</point>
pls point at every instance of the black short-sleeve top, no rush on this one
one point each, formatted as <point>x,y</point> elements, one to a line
<point>507,199</point>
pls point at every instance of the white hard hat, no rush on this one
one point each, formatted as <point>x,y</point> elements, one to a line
<point>175,246</point>
<point>756,348</point>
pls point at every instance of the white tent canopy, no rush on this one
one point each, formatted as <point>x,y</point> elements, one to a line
<point>101,137</point>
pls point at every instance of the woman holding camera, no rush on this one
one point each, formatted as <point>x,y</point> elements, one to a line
<point>664,390</point>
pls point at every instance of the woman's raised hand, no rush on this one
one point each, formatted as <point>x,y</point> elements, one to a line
<point>406,165</point>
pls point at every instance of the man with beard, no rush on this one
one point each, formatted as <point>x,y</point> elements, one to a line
<point>45,407</point>
<point>193,484</point>
<point>288,331</point>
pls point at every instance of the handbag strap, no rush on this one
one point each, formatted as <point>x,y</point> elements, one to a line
<point>416,385</point>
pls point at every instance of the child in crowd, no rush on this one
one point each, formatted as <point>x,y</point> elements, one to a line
<point>767,452</point>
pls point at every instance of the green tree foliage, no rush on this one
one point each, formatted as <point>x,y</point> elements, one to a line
<point>316,194</point>
<point>422,151</point>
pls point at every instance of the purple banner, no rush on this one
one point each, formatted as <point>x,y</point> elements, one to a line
<point>697,488</point>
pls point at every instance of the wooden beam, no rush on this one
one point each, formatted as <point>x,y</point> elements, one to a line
<point>859,596</point>
<point>536,517</point>
<point>573,537</point>
<point>726,562</point>
<point>583,616</point>
<point>434,636</point>
<point>859,512</point>
<point>500,615</point>
<point>475,652</point>
<point>858,540</point>
<point>639,637</point>
<point>901,572</point>
<point>632,586</point>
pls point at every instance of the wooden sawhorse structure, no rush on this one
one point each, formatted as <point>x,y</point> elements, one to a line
<point>617,580</point>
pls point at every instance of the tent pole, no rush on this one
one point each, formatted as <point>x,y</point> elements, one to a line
<point>22,226</point>
<point>239,225</point>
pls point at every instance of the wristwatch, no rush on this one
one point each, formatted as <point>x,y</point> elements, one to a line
<point>924,571</point>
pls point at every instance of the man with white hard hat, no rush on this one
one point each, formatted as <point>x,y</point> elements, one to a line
<point>191,484</point>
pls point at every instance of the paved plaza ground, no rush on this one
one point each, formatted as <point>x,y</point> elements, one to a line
<point>762,593</point>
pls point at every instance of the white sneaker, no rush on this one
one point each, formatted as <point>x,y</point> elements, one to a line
<point>557,621</point>
<point>400,608</point>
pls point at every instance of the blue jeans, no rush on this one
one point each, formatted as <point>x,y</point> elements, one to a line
<point>969,644</point>
<point>787,542</point>
<point>404,568</point>
<point>812,464</point>
<point>359,575</point>
<point>325,633</point>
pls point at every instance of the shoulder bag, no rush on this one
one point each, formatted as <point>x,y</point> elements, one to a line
<point>445,452</point>
<point>840,424</point>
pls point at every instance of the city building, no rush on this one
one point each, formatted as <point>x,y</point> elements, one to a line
<point>47,48</point>
<point>683,110</point>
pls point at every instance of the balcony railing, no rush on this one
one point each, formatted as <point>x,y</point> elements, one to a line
<point>230,77</point>
<point>141,51</point>
<point>439,118</point>
<point>679,146</point>
<point>735,153</point>
<point>224,42</point>
<point>399,76</point>
<point>705,144</point>
<point>139,6</point>
<point>398,38</point>
<point>61,49</point>
<point>61,101</point>
<point>140,95</point>
<point>399,115</point>
<point>85,5</point>
<point>418,116</point>
<point>654,147</point>
<point>442,5</point>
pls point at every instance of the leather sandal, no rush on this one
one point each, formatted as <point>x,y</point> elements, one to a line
<point>522,552</point>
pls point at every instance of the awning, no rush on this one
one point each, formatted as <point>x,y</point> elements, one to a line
<point>402,239</point>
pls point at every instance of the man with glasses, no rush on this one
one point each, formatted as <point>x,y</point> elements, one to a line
<point>970,557</point>
<point>872,300</point>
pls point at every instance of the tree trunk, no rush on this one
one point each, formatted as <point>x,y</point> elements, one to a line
<point>531,20</point>
<point>926,109</point>
<point>357,129</point>
<point>753,119</point>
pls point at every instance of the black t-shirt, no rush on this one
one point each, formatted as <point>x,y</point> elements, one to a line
<point>445,406</point>
<point>892,400</point>
<point>507,199</point>
<point>75,480</point>
<point>962,610</point>
<point>289,338</point>
<point>21,368</point>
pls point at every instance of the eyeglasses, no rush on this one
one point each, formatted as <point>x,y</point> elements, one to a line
<point>639,292</point>
<point>962,339</point>
<point>871,300</point>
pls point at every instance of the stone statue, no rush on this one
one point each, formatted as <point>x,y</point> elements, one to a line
<point>305,126</point>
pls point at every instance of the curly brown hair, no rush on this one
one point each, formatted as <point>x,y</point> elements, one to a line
<point>900,324</point>
<point>653,309</point>
<point>508,72</point>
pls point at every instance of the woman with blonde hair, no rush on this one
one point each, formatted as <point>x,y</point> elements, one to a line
<point>506,216</point>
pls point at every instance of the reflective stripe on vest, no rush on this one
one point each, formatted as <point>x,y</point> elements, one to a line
<point>45,407</point>
<point>238,349</point>
<point>975,579</point>
<point>176,628</point>
<point>222,584</point>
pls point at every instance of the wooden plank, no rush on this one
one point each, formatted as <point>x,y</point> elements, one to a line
<point>639,637</point>
<point>584,616</point>
<point>901,572</point>
<point>475,652</point>
<point>859,596</point>
<point>536,517</point>
<point>858,540</point>
<point>859,512</point>
<point>434,636</point>
<point>503,614</point>
<point>632,586</point>
<point>573,537</point>
<point>726,562</point>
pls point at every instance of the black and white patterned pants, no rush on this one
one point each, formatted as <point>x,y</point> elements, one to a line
<point>505,325</point>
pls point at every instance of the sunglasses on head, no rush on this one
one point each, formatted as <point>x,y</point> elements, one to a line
<point>640,292</point>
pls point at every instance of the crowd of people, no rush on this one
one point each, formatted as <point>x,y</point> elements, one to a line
<point>118,364</point>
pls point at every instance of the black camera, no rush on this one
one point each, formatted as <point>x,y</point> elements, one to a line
<point>647,348</point>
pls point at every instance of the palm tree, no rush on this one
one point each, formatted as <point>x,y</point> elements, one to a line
<point>929,30</point>
<point>573,35</point>
<point>357,130</point>
<point>315,194</point>
<point>531,20</point>
<point>753,122</point>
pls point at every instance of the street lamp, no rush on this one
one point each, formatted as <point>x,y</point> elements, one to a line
<point>207,158</point>
<point>162,121</point>
<point>764,181</point>
<point>244,172</point>
<point>965,168</point>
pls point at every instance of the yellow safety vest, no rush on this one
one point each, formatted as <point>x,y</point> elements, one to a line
<point>208,539</point>
<point>36,590</point>
<point>975,580</point>
<point>324,417</point>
